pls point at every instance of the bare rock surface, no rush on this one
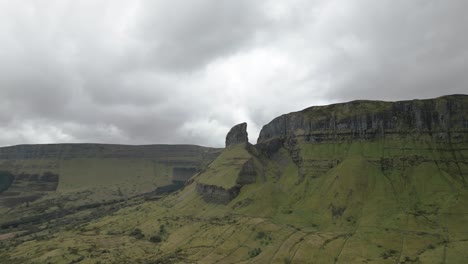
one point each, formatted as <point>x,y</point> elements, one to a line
<point>237,135</point>
<point>367,120</point>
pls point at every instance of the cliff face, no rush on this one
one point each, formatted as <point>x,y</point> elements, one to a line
<point>441,117</point>
<point>391,135</point>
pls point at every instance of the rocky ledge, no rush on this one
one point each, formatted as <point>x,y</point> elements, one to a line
<point>216,194</point>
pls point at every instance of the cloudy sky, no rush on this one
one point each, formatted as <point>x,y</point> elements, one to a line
<point>155,71</point>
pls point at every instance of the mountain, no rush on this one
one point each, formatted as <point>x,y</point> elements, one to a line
<point>357,182</point>
<point>38,170</point>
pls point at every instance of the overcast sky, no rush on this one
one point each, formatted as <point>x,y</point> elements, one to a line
<point>154,71</point>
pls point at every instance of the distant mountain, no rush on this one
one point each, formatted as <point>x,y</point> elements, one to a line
<point>41,169</point>
<point>358,182</point>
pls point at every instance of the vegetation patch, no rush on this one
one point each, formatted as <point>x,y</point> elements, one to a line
<point>389,254</point>
<point>137,233</point>
<point>255,252</point>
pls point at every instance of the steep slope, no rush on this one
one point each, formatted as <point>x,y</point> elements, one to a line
<point>235,167</point>
<point>359,182</point>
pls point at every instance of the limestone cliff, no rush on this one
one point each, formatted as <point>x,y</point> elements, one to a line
<point>405,127</point>
<point>440,117</point>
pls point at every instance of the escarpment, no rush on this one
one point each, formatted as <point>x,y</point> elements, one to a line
<point>394,136</point>
<point>442,118</point>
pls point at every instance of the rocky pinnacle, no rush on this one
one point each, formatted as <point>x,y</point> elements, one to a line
<point>237,135</point>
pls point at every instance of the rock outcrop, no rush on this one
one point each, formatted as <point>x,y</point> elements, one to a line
<point>26,187</point>
<point>248,173</point>
<point>216,194</point>
<point>237,135</point>
<point>372,119</point>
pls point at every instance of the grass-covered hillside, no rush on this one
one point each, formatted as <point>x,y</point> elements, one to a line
<point>353,198</point>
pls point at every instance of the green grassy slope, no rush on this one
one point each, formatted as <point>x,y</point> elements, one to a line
<point>357,210</point>
<point>130,174</point>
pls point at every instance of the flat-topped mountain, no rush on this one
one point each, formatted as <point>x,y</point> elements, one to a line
<point>38,169</point>
<point>89,150</point>
<point>371,119</point>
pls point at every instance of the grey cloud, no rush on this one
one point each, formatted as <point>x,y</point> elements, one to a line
<point>141,72</point>
<point>114,89</point>
<point>181,35</point>
<point>415,49</point>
